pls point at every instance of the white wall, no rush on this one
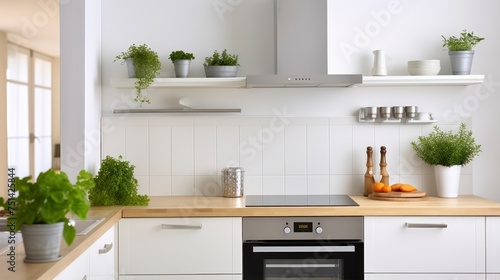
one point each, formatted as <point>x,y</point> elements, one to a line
<point>245,27</point>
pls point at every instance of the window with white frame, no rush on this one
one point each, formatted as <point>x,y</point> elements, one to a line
<point>29,99</point>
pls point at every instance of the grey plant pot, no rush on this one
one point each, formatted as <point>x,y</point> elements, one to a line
<point>130,67</point>
<point>461,62</point>
<point>181,68</point>
<point>42,242</point>
<point>221,71</point>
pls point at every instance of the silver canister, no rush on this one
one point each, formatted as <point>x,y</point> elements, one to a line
<point>232,182</point>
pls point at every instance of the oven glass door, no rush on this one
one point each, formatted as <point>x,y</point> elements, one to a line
<point>319,260</point>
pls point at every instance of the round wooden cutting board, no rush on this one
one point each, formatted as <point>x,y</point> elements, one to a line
<point>399,196</point>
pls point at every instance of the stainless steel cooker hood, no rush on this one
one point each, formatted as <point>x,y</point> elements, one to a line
<point>318,80</point>
<point>301,50</point>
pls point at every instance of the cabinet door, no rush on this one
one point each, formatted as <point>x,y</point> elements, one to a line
<point>102,256</point>
<point>425,277</point>
<point>179,246</point>
<point>493,244</point>
<point>492,276</point>
<point>77,270</point>
<point>425,244</point>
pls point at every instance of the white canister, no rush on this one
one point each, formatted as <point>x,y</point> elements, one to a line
<point>232,182</point>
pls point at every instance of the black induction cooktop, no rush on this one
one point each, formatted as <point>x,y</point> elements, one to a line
<point>299,200</point>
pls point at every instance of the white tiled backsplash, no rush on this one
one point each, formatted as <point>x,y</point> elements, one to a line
<point>184,155</point>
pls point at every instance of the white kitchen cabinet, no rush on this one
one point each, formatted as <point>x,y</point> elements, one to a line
<point>492,276</point>
<point>425,245</point>
<point>426,277</point>
<point>493,245</point>
<point>193,247</point>
<point>96,263</point>
<point>102,257</point>
<point>77,270</point>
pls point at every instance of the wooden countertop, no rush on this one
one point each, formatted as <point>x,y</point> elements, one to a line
<point>48,270</point>
<point>198,206</point>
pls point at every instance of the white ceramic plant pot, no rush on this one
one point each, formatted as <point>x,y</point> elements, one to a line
<point>447,180</point>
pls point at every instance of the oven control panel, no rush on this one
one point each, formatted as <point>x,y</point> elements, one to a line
<point>279,228</point>
<point>303,227</point>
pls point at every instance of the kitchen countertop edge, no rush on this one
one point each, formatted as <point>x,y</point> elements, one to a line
<point>197,206</point>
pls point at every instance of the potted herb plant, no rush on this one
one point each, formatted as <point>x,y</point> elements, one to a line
<point>115,184</point>
<point>41,211</point>
<point>447,152</point>
<point>221,65</point>
<point>460,51</point>
<point>181,61</point>
<point>143,64</point>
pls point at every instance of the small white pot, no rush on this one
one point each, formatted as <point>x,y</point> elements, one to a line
<point>447,180</point>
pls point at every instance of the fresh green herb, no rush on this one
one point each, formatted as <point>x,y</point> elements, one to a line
<point>115,184</point>
<point>447,148</point>
<point>465,42</point>
<point>50,198</point>
<point>178,55</point>
<point>223,59</point>
<point>147,66</point>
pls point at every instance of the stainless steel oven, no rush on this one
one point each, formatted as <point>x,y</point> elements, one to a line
<point>318,248</point>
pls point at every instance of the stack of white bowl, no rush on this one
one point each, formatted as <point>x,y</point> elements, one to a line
<point>424,67</point>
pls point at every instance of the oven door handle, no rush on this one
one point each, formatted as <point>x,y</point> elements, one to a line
<point>301,265</point>
<point>304,249</point>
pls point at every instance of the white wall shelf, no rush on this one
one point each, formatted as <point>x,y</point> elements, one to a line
<point>238,82</point>
<point>438,80</point>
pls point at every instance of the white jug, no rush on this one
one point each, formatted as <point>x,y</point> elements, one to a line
<point>379,65</point>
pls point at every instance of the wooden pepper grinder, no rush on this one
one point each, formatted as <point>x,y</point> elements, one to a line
<point>383,164</point>
<point>369,179</point>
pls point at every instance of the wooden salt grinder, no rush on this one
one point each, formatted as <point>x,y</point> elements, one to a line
<point>383,164</point>
<point>369,179</point>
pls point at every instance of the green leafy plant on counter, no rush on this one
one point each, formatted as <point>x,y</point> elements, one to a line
<point>147,66</point>
<point>466,42</point>
<point>49,199</point>
<point>223,59</point>
<point>447,148</point>
<point>179,55</point>
<point>115,184</point>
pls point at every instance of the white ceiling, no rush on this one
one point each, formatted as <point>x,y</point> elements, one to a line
<point>32,23</point>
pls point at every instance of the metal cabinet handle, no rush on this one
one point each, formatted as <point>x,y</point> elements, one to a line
<point>425,225</point>
<point>166,226</point>
<point>107,248</point>
<point>84,277</point>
